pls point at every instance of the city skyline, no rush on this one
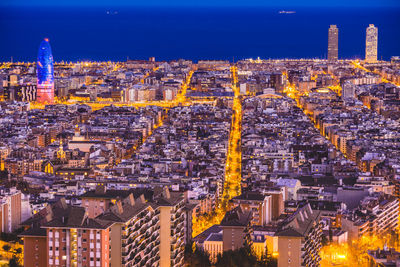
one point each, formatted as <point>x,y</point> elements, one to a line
<point>199,134</point>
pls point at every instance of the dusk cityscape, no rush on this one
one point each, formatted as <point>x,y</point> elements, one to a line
<point>199,134</point>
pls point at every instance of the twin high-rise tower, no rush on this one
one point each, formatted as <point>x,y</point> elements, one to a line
<point>45,74</point>
<point>371,43</point>
<point>333,43</point>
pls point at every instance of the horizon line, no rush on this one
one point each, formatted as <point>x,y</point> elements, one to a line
<point>30,5</point>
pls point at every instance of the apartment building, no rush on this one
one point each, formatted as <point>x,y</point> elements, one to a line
<point>214,245</point>
<point>99,200</point>
<point>260,205</point>
<point>134,234</point>
<point>63,235</point>
<point>376,215</point>
<point>236,229</point>
<point>233,233</point>
<point>151,230</point>
<point>299,239</point>
<point>74,239</point>
<point>131,232</point>
<point>173,231</point>
<point>10,209</point>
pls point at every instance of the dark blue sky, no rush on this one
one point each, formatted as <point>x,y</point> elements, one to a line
<point>266,3</point>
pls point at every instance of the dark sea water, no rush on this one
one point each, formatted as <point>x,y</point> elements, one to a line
<point>192,33</point>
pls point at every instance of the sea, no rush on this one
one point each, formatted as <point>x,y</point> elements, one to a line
<point>217,33</point>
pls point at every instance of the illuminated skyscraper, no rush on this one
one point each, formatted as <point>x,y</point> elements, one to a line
<point>371,44</point>
<point>333,43</point>
<point>45,74</point>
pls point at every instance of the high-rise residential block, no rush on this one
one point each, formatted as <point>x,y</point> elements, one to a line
<point>63,235</point>
<point>333,43</point>
<point>135,233</point>
<point>371,44</point>
<point>299,239</point>
<point>10,209</point>
<point>380,217</point>
<point>348,90</point>
<point>131,231</point>
<point>73,239</point>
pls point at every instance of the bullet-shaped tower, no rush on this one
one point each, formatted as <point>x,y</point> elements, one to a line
<point>45,73</point>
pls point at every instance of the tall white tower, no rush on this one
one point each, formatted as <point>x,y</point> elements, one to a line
<point>371,44</point>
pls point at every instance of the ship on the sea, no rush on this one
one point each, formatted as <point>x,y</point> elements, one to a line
<point>286,12</point>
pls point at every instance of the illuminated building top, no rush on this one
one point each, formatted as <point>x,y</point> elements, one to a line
<point>45,71</point>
